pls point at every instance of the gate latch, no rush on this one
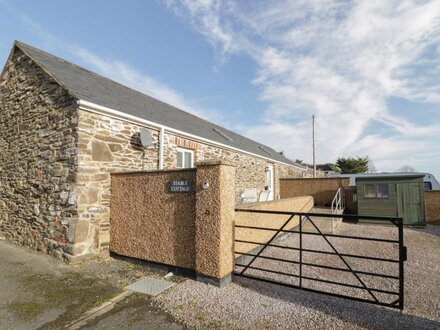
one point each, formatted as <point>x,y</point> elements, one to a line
<point>403,253</point>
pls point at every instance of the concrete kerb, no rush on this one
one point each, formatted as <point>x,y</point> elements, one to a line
<point>98,311</point>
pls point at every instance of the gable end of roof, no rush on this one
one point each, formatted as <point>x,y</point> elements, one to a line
<point>85,85</point>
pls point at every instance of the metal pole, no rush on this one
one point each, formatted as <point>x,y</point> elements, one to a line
<point>300,251</point>
<point>161,147</point>
<point>314,154</point>
<point>402,258</point>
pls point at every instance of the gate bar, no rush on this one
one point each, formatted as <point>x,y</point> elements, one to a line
<point>300,250</point>
<point>316,279</point>
<point>322,266</point>
<point>319,292</point>
<point>398,222</point>
<point>402,258</point>
<point>343,260</point>
<point>318,251</point>
<point>265,246</point>
<point>324,215</point>
<point>316,234</point>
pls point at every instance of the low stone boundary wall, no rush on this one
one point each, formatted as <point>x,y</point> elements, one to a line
<point>273,221</point>
<point>323,190</point>
<point>432,206</point>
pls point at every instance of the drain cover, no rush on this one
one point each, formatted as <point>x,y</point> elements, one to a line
<point>150,286</point>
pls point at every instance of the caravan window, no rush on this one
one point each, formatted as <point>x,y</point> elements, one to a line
<point>427,186</point>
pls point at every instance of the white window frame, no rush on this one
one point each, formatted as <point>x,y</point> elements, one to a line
<point>183,151</point>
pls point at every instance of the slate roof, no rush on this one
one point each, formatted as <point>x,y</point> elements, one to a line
<point>89,86</point>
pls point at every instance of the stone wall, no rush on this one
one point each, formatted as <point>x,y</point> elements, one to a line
<point>107,145</point>
<point>432,206</point>
<point>56,161</point>
<point>323,190</point>
<point>250,171</point>
<point>37,158</point>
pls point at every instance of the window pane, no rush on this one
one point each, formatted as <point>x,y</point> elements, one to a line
<point>179,159</point>
<point>382,191</point>
<point>370,190</point>
<point>427,185</point>
<point>188,159</point>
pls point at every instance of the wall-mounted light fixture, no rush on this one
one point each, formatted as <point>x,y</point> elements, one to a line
<point>205,185</point>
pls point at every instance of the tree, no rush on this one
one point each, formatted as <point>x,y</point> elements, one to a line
<point>371,166</point>
<point>352,165</point>
<point>299,161</point>
<point>407,168</point>
<point>335,168</point>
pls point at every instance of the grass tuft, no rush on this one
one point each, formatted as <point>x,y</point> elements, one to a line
<point>27,311</point>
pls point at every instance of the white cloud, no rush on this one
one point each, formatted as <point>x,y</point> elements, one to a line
<point>208,21</point>
<point>342,60</point>
<point>114,69</point>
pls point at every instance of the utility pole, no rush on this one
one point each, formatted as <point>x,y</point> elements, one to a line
<point>314,153</point>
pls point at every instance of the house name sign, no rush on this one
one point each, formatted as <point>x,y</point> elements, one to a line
<point>180,186</point>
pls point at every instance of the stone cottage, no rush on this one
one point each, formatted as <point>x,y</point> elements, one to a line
<point>64,129</point>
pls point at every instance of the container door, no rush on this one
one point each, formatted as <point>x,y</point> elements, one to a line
<point>409,203</point>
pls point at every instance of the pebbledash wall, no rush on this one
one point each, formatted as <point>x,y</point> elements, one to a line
<point>56,160</point>
<point>192,230</point>
<point>432,206</point>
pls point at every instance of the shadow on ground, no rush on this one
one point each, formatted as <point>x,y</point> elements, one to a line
<point>353,312</point>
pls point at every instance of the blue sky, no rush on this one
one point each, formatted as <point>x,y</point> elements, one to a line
<point>369,70</point>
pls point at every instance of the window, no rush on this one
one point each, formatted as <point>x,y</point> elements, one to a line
<point>427,186</point>
<point>376,191</point>
<point>185,158</point>
<point>370,191</point>
<point>382,191</point>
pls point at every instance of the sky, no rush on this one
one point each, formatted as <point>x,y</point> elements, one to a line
<point>368,70</point>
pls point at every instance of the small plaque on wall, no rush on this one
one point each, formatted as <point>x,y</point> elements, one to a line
<point>180,186</point>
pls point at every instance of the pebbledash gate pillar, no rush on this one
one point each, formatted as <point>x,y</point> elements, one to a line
<point>215,203</point>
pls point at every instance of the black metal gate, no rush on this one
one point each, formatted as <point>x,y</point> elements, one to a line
<point>381,287</point>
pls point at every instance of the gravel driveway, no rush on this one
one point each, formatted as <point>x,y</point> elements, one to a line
<point>253,304</point>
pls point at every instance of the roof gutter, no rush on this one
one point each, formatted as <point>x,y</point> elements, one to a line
<point>101,110</point>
